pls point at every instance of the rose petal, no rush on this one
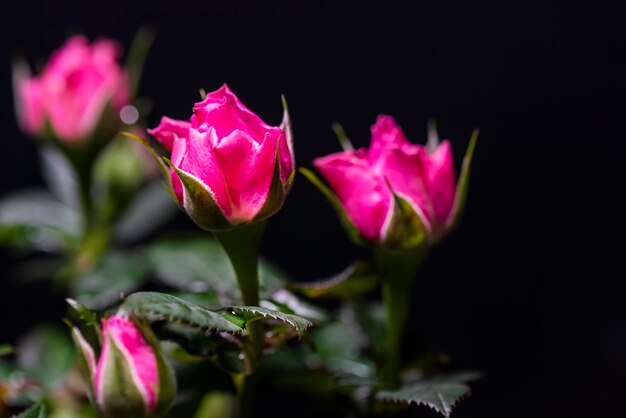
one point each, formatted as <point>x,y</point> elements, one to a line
<point>199,160</point>
<point>362,192</point>
<point>168,130</point>
<point>404,168</point>
<point>385,133</point>
<point>223,110</point>
<point>440,180</point>
<point>29,103</point>
<point>248,168</point>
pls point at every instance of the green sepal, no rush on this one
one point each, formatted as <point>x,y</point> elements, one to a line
<point>277,192</point>
<point>332,198</point>
<point>406,228</point>
<point>87,361</point>
<point>86,321</point>
<point>199,202</point>
<point>342,137</point>
<point>355,281</point>
<point>167,378</point>
<point>285,125</point>
<point>165,172</point>
<point>463,183</point>
<point>155,306</point>
<point>253,313</point>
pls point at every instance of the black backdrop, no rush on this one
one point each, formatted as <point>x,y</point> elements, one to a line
<point>528,288</point>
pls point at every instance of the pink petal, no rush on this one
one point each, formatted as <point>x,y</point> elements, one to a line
<point>200,161</point>
<point>248,168</point>
<point>404,168</point>
<point>385,133</point>
<point>223,110</point>
<point>168,130</point>
<point>284,156</point>
<point>362,192</point>
<point>179,149</point>
<point>440,180</point>
<point>29,101</point>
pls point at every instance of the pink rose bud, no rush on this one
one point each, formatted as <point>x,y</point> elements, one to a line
<point>371,183</point>
<point>73,91</point>
<point>130,378</point>
<point>228,167</point>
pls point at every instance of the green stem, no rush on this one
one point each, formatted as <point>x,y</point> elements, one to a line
<point>245,385</point>
<point>242,246</point>
<point>397,270</point>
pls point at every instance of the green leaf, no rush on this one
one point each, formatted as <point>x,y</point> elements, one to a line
<point>154,306</point>
<point>194,264</point>
<point>437,394</point>
<point>357,280</point>
<point>165,172</point>
<point>193,342</point>
<point>59,175</point>
<point>370,318</point>
<point>463,183</point>
<point>199,264</point>
<point>208,298</point>
<point>340,348</point>
<point>134,224</point>
<point>115,275</point>
<point>349,226</point>
<point>252,313</point>
<point>287,302</point>
<point>35,219</point>
<point>271,277</point>
<point>46,353</point>
<point>36,411</point>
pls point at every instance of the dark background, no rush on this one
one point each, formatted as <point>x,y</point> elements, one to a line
<point>528,289</point>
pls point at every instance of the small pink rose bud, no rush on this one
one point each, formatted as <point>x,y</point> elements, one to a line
<point>366,180</point>
<point>73,91</point>
<point>130,378</point>
<point>228,167</point>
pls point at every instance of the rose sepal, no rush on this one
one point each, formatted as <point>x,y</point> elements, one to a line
<point>199,202</point>
<point>462,187</point>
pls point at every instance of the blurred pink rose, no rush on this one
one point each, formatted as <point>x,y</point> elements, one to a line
<point>232,153</point>
<point>361,180</point>
<point>73,89</point>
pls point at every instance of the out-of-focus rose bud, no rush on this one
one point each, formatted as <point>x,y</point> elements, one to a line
<point>228,167</point>
<point>130,378</point>
<point>81,88</point>
<point>377,186</point>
